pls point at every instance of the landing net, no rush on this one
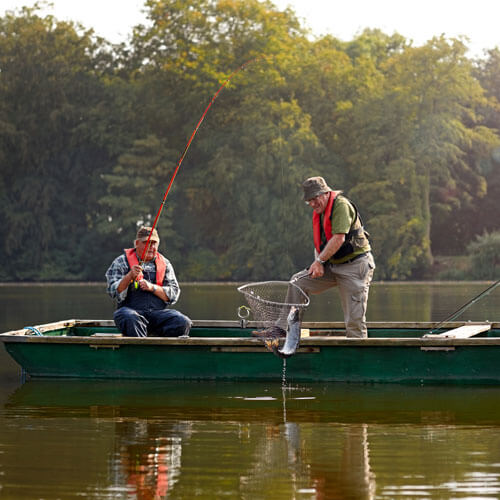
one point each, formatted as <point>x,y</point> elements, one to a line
<point>270,301</point>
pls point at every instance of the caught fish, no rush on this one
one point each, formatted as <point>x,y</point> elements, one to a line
<point>292,334</point>
<point>271,337</point>
<point>273,334</point>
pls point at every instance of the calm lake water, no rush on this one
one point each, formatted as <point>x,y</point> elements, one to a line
<point>181,440</point>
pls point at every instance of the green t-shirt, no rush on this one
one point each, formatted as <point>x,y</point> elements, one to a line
<point>343,216</point>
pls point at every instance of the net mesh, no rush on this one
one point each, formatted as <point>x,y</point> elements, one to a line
<point>269,301</point>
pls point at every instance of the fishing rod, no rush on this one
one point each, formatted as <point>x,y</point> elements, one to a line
<point>243,66</point>
<point>466,306</point>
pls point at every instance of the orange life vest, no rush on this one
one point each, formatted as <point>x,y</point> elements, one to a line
<point>161,266</point>
<point>327,222</point>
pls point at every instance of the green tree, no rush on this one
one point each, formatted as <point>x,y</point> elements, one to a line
<point>253,148</point>
<point>134,193</point>
<point>53,143</point>
<point>484,253</point>
<point>484,216</point>
<point>412,129</point>
<point>90,135</point>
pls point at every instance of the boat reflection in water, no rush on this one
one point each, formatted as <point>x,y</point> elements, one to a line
<point>180,440</point>
<point>338,469</point>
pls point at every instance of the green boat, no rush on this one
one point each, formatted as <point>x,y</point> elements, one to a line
<point>463,353</point>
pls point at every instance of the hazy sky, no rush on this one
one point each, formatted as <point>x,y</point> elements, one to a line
<point>418,20</point>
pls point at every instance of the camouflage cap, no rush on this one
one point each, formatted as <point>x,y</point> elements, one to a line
<point>314,186</point>
<point>143,234</point>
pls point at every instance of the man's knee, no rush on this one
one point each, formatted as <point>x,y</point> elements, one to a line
<point>124,314</point>
<point>130,322</point>
<point>173,323</point>
<point>181,325</point>
<point>186,325</point>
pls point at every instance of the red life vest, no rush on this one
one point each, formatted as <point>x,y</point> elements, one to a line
<point>161,266</point>
<point>327,222</point>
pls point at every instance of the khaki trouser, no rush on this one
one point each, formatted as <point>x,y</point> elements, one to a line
<point>353,281</point>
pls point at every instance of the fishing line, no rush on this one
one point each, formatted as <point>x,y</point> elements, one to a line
<point>243,66</point>
<point>466,306</point>
<point>282,170</point>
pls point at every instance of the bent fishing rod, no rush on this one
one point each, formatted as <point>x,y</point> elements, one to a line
<point>466,306</point>
<point>243,66</point>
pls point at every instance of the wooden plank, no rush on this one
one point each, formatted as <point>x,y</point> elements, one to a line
<point>15,333</point>
<point>223,324</point>
<point>263,350</point>
<point>437,348</point>
<point>424,325</point>
<point>106,335</point>
<point>322,325</point>
<point>321,337</point>
<point>43,328</point>
<point>462,332</point>
<point>251,341</point>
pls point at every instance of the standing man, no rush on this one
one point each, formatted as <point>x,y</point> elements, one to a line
<point>342,253</point>
<point>144,293</point>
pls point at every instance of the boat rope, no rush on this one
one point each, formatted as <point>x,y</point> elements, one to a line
<point>463,308</point>
<point>34,330</point>
<point>214,97</point>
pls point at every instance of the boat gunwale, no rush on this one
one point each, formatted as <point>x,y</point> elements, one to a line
<point>255,342</point>
<point>71,323</point>
<point>315,340</point>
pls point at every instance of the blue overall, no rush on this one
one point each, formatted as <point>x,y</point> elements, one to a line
<point>143,312</point>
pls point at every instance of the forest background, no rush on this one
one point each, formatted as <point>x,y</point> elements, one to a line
<point>91,132</point>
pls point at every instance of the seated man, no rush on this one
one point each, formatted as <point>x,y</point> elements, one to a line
<point>144,293</point>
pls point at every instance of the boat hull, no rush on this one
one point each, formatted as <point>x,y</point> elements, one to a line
<point>466,364</point>
<point>231,353</point>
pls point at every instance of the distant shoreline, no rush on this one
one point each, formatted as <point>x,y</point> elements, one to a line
<point>235,283</point>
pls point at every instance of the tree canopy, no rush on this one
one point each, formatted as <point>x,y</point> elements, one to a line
<point>90,135</point>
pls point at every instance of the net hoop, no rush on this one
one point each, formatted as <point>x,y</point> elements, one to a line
<point>248,291</point>
<point>272,301</point>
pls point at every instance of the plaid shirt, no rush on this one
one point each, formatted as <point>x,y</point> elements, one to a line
<point>119,268</point>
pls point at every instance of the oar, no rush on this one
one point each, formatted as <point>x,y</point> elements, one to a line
<point>466,306</point>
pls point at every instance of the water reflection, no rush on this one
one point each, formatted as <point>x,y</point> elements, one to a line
<point>151,440</point>
<point>260,401</point>
<point>348,476</point>
<point>352,478</point>
<point>148,460</point>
